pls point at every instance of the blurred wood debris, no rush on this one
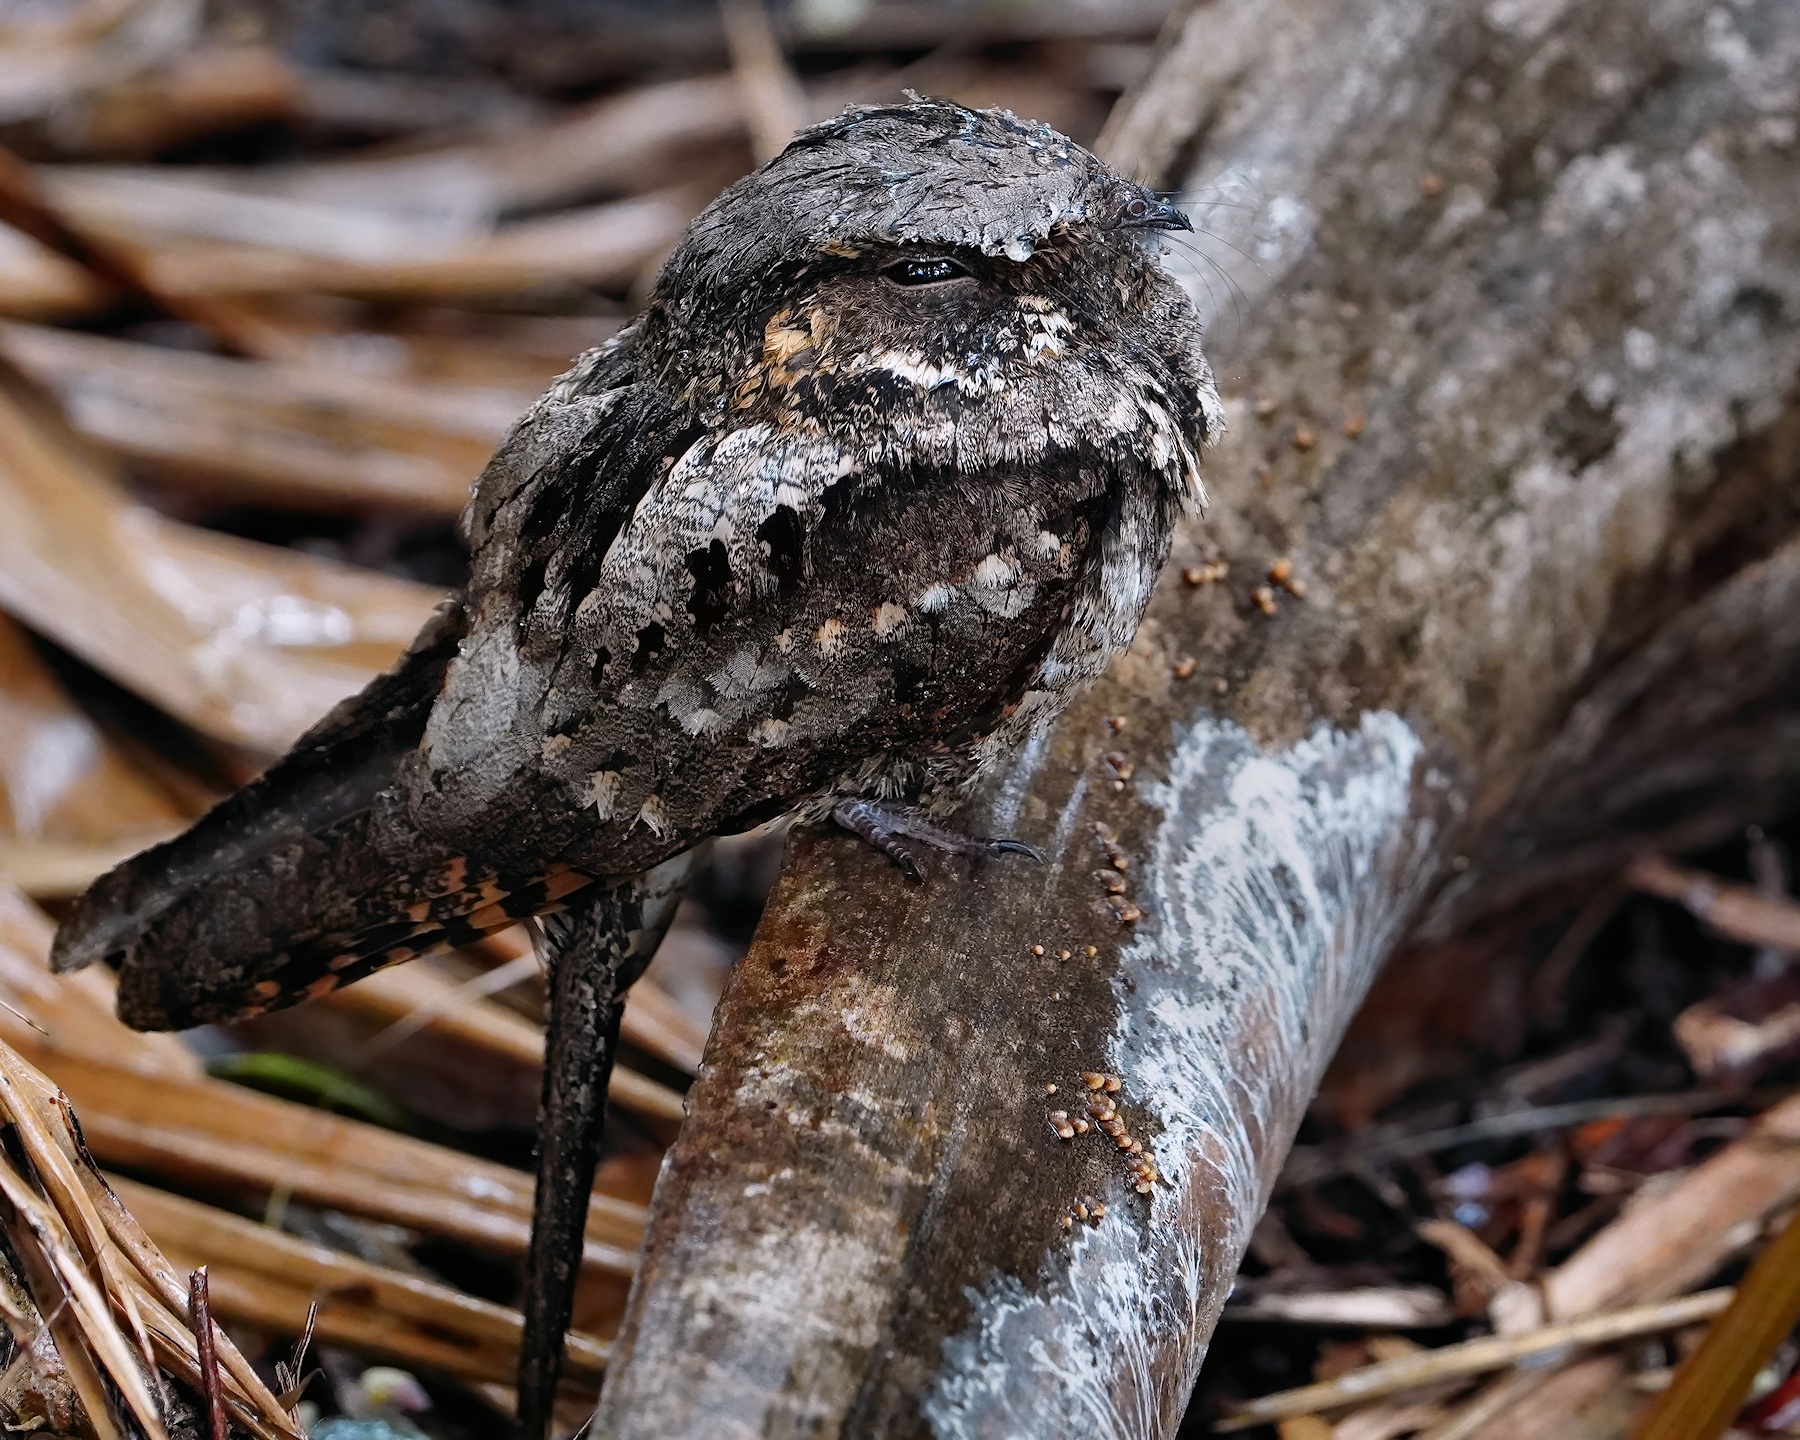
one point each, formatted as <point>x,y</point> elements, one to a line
<point>171,1119</point>
<point>297,435</point>
<point>249,643</point>
<point>115,1306</point>
<point>1419,1369</point>
<point>273,281</point>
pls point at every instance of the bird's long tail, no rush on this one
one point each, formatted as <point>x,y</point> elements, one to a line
<point>313,876</point>
<point>594,950</point>
<point>308,878</point>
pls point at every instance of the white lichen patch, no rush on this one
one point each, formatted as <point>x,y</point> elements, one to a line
<point>870,1020</point>
<point>1603,189</point>
<point>1277,880</point>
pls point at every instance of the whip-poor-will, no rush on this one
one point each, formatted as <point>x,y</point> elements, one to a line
<point>881,477</point>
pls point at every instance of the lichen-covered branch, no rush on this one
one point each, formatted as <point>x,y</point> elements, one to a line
<point>1507,300</point>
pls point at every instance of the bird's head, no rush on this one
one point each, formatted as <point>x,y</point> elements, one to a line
<point>900,270</point>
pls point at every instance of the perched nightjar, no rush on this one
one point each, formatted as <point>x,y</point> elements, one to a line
<point>879,480</point>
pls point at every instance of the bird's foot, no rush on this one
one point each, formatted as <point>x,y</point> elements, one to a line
<point>893,832</point>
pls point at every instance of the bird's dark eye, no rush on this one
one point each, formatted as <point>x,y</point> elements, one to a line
<point>1137,209</point>
<point>934,271</point>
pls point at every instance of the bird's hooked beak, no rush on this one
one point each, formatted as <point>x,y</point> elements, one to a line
<point>1153,212</point>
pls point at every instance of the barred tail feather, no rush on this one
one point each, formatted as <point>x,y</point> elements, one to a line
<point>307,879</point>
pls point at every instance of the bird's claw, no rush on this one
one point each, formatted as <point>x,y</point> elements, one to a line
<point>889,831</point>
<point>1015,847</point>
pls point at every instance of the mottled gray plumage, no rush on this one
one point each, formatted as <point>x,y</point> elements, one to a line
<point>806,530</point>
<point>880,479</point>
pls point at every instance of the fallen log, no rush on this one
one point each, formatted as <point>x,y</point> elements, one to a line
<point>1502,582</point>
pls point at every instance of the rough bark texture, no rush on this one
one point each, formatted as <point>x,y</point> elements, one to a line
<point>1517,286</point>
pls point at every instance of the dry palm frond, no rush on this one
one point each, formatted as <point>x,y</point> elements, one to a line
<point>146,1105</point>
<point>118,262</point>
<point>70,1014</point>
<point>1422,1369</point>
<point>244,641</point>
<point>653,1023</point>
<point>1739,912</point>
<point>56,55</point>
<point>424,998</point>
<point>293,434</point>
<point>84,812</point>
<point>116,1308</point>
<point>274,1280</point>
<point>258,1275</point>
<point>1711,1385</point>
